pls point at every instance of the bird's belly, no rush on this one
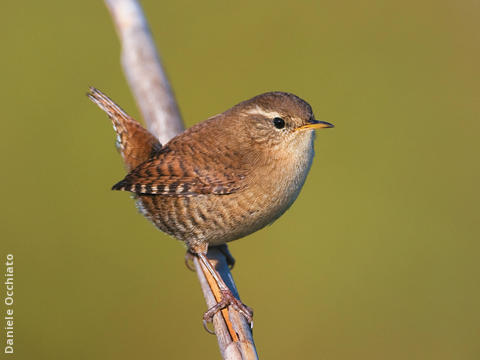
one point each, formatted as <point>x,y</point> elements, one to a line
<point>212,219</point>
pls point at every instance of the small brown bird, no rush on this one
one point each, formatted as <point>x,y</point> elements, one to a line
<point>223,178</point>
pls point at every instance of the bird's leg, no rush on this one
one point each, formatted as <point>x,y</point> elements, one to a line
<point>189,255</point>
<point>227,296</point>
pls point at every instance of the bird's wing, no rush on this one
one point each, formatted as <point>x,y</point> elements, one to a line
<point>135,143</point>
<point>173,174</point>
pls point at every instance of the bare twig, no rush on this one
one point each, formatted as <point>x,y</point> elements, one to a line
<point>157,104</point>
<point>144,71</point>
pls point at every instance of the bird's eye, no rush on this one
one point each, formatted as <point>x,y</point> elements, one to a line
<point>279,123</point>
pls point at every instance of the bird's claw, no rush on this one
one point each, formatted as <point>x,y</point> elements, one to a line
<point>228,299</point>
<point>205,326</point>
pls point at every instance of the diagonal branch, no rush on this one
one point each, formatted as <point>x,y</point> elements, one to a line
<point>144,71</point>
<point>154,96</point>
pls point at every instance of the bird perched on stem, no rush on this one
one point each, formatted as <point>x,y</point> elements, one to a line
<point>221,179</point>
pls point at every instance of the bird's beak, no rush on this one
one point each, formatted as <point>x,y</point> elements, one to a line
<point>315,124</point>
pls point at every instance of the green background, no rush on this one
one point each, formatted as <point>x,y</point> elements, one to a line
<point>378,257</point>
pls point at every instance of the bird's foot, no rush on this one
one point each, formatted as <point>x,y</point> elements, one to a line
<point>228,299</point>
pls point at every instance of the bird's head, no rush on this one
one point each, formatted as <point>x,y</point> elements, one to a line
<point>278,119</point>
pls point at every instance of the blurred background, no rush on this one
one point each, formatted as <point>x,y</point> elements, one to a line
<point>378,257</point>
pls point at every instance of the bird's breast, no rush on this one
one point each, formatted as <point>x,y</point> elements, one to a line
<point>278,183</point>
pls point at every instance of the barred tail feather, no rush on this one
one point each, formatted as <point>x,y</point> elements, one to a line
<point>135,143</point>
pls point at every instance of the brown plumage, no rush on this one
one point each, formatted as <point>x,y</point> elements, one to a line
<point>135,143</point>
<point>223,178</point>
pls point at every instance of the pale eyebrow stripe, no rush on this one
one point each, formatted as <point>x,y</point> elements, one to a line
<point>257,110</point>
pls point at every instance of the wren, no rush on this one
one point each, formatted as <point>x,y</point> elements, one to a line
<point>221,179</point>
